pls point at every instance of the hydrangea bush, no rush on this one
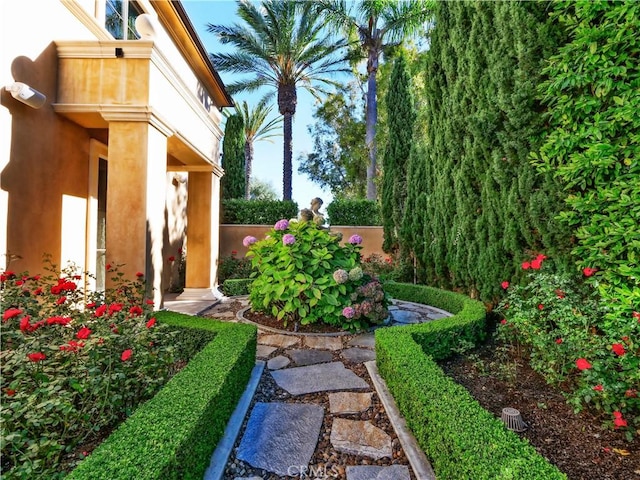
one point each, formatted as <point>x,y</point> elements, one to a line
<point>73,363</point>
<point>302,274</point>
<point>561,322</point>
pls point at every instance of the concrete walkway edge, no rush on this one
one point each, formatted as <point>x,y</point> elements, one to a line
<point>221,455</point>
<point>418,460</point>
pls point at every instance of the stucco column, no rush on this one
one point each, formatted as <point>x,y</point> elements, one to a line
<point>203,214</point>
<point>136,182</point>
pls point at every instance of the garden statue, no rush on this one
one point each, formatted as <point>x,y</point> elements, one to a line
<point>312,214</point>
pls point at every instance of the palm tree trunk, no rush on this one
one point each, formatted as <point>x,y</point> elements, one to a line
<point>371,121</point>
<point>248,161</point>
<point>287,100</point>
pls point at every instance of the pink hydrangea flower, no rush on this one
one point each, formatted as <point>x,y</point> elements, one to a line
<point>281,224</point>
<point>355,239</point>
<point>288,239</point>
<point>249,240</point>
<point>348,312</point>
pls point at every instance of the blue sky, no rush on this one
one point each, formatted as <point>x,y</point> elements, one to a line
<point>267,164</point>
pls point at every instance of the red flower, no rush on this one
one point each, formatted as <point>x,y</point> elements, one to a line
<point>618,421</point>
<point>536,263</point>
<point>83,333</point>
<point>25,326</point>
<point>505,284</point>
<point>135,310</point>
<point>636,315</point>
<point>91,305</point>
<point>234,252</point>
<point>598,388</point>
<point>589,271</point>
<point>560,293</point>
<point>58,321</point>
<point>171,258</point>
<point>503,321</point>
<point>36,357</point>
<point>625,338</point>
<point>19,282</point>
<point>583,364</point>
<point>618,349</point>
<point>149,301</point>
<point>540,306</point>
<point>73,346</point>
<point>151,322</point>
<point>56,289</point>
<point>115,307</point>
<point>526,265</point>
<point>631,393</point>
<point>559,341</point>
<point>10,392</point>
<point>10,313</point>
<point>126,355</point>
<point>61,300</point>
<point>139,274</point>
<point>7,275</point>
<point>38,291</point>
<point>113,328</point>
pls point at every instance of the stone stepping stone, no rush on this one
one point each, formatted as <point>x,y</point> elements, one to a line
<point>279,435</point>
<point>358,355</point>
<point>225,315</point>
<point>318,378</point>
<point>278,340</point>
<point>263,351</point>
<point>309,357</point>
<point>437,315</point>
<point>370,472</point>
<point>276,363</point>
<point>366,340</point>
<point>408,317</point>
<point>349,402</point>
<point>323,343</point>
<point>358,437</point>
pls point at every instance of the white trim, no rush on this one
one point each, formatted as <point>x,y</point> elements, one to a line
<point>97,150</point>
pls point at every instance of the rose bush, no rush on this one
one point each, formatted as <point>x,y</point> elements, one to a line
<point>302,274</point>
<point>563,325</point>
<point>74,363</point>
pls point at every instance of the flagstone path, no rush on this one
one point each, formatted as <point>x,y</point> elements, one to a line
<point>317,412</point>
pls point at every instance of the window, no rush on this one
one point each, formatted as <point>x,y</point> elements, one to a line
<point>120,17</point>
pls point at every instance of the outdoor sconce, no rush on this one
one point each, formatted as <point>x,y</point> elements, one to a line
<point>25,94</point>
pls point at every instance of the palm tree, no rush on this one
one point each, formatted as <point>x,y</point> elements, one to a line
<point>380,25</point>
<point>256,130</point>
<point>281,45</point>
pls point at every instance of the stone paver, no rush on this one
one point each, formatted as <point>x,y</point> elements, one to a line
<point>358,355</point>
<point>279,435</point>
<point>370,472</point>
<point>309,357</point>
<point>349,402</point>
<point>358,437</point>
<point>279,340</point>
<point>408,316</point>
<point>323,343</point>
<point>263,351</point>
<point>366,340</point>
<point>276,363</point>
<point>318,378</point>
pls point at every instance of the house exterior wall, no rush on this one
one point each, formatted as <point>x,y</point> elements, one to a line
<point>149,112</point>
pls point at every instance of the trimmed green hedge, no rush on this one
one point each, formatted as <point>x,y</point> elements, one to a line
<point>257,212</point>
<point>237,286</point>
<point>461,438</point>
<point>173,435</point>
<point>354,212</point>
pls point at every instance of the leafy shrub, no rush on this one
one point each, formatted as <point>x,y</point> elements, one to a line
<point>388,268</point>
<point>73,363</point>
<point>461,439</point>
<point>237,286</point>
<point>562,322</point>
<point>303,274</point>
<point>171,436</point>
<point>231,266</point>
<point>354,212</point>
<point>257,212</point>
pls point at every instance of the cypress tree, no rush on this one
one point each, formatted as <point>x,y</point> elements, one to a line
<point>401,115</point>
<point>233,181</point>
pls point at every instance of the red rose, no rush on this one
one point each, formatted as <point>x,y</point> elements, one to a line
<point>171,258</point>
<point>19,282</point>
<point>56,289</point>
<point>589,271</point>
<point>61,300</point>
<point>139,274</point>
<point>36,357</point>
<point>38,291</point>
<point>618,421</point>
<point>91,305</point>
<point>540,306</point>
<point>560,294</point>
<point>135,310</point>
<point>83,333</point>
<point>25,326</point>
<point>100,310</point>
<point>126,355</point>
<point>631,393</point>
<point>598,388</point>
<point>583,364</point>
<point>149,302</point>
<point>618,349</point>
<point>526,265</point>
<point>10,392</point>
<point>58,321</point>
<point>559,341</point>
<point>10,313</point>
<point>636,315</point>
<point>536,263</point>
<point>151,323</point>
<point>505,284</point>
<point>503,321</point>
<point>115,307</point>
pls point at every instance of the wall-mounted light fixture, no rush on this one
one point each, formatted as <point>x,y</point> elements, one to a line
<point>26,94</point>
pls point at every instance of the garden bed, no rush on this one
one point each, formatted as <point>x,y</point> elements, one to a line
<point>576,444</point>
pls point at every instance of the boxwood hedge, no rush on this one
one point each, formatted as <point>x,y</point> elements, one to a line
<point>461,438</point>
<point>173,435</point>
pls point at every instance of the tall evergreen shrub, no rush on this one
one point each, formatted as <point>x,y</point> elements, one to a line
<point>233,181</point>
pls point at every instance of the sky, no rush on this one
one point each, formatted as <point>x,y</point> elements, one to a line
<point>267,162</point>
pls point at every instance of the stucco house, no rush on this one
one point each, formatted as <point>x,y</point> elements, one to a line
<point>109,140</point>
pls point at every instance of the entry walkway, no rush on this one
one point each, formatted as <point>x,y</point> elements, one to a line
<point>318,408</point>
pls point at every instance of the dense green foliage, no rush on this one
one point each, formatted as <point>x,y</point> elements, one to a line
<point>173,434</point>
<point>233,162</point>
<point>593,146</point>
<point>354,212</point>
<point>461,439</point>
<point>475,205</point>
<point>236,286</point>
<point>401,115</point>
<point>302,274</point>
<point>257,212</point>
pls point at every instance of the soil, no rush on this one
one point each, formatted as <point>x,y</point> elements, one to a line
<point>575,443</point>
